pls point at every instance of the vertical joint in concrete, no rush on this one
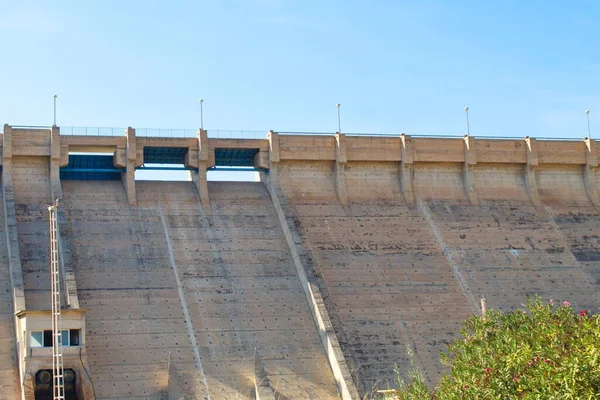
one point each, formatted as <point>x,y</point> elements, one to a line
<point>467,170</point>
<point>55,150</point>
<point>200,178</point>
<point>340,168</point>
<point>530,174</point>
<point>128,177</point>
<point>589,171</point>
<point>406,169</point>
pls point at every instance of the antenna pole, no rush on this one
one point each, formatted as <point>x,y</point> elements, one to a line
<point>468,128</point>
<point>201,115</point>
<point>338,112</point>
<point>587,115</point>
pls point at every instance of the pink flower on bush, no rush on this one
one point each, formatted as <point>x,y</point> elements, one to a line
<point>551,301</point>
<point>566,303</point>
<point>583,313</point>
<point>488,370</point>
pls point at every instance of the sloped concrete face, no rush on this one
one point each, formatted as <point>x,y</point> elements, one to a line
<point>135,318</point>
<point>398,277</point>
<point>241,290</point>
<point>381,270</point>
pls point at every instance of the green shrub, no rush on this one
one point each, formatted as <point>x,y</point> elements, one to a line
<point>544,352</point>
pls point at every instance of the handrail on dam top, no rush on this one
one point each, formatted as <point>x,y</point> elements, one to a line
<point>307,133</point>
<point>236,134</point>
<point>161,132</point>
<point>249,134</point>
<point>91,131</point>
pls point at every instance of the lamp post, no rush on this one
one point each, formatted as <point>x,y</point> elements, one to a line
<point>468,128</point>
<point>201,115</point>
<point>587,115</point>
<point>54,124</point>
<point>338,112</point>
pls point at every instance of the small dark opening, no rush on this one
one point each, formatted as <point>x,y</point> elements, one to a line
<point>74,337</point>
<point>47,338</point>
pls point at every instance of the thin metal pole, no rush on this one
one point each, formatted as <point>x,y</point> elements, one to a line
<point>587,114</point>
<point>54,111</point>
<point>468,128</point>
<point>201,115</point>
<point>339,121</point>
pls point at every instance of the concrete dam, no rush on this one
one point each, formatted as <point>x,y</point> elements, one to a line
<point>313,283</point>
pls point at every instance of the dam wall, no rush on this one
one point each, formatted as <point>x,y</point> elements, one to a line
<point>353,255</point>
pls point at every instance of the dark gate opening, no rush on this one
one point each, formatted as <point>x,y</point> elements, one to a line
<point>44,384</point>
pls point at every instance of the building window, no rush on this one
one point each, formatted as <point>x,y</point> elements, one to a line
<point>69,337</point>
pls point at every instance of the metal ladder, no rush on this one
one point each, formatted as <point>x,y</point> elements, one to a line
<point>58,387</point>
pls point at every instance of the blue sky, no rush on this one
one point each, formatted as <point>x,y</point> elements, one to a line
<point>522,67</point>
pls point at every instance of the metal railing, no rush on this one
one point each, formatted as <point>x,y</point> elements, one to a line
<point>388,134</point>
<point>165,133</point>
<point>91,131</point>
<point>235,134</point>
<point>308,133</point>
<point>248,134</point>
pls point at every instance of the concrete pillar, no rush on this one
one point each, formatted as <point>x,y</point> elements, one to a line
<point>12,241</point>
<point>55,187</point>
<point>128,177</point>
<point>530,171</point>
<point>589,171</point>
<point>406,170</point>
<point>467,170</point>
<point>199,177</point>
<point>273,138</point>
<point>340,168</point>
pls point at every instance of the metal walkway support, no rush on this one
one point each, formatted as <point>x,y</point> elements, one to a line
<point>58,388</point>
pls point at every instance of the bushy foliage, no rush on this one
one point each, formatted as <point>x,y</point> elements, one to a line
<point>544,352</point>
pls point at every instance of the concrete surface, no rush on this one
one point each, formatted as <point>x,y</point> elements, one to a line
<point>351,253</point>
